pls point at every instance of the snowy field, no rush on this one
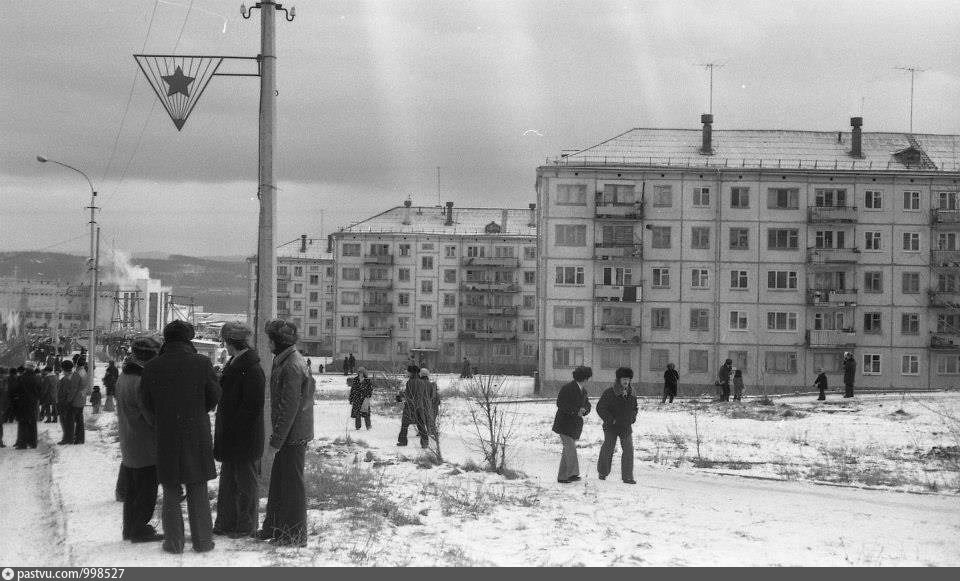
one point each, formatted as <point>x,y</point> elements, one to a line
<point>872,481</point>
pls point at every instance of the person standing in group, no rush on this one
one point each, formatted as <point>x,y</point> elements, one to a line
<point>352,362</point>
<point>78,400</point>
<point>48,396</point>
<point>238,435</point>
<point>110,385</point>
<point>430,407</point>
<point>346,365</point>
<point>465,372</point>
<point>4,402</point>
<point>617,408</point>
<point>27,402</point>
<point>68,385</point>
<point>821,384</point>
<point>671,381</point>
<point>723,379</point>
<point>178,390</point>
<point>849,373</point>
<point>138,446</point>
<point>95,399</point>
<point>413,399</point>
<point>573,404</point>
<point>737,384</point>
<point>291,417</point>
<point>361,391</point>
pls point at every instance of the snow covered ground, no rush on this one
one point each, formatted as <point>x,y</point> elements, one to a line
<point>755,494</point>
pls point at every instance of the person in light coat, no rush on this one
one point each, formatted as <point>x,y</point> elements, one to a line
<point>361,392</point>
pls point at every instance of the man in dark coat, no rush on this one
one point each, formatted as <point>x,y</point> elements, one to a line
<point>4,402</point>
<point>671,380</point>
<point>68,385</point>
<point>465,372</point>
<point>110,377</point>
<point>179,388</point>
<point>138,447</point>
<point>821,384</point>
<point>618,410</point>
<point>27,401</point>
<point>414,398</point>
<point>352,362</point>
<point>48,396</point>
<point>291,418</point>
<point>238,435</point>
<point>572,404</point>
<point>723,376</point>
<point>849,372</point>
<point>361,390</point>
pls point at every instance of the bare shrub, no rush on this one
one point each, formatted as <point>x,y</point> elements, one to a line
<point>493,424</point>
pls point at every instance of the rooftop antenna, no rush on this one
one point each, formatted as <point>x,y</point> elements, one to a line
<point>710,67</point>
<point>438,187</point>
<point>913,72</point>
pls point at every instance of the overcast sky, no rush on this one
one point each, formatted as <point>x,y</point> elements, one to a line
<point>373,96</point>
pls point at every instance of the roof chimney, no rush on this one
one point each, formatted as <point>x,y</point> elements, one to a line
<point>303,243</point>
<point>707,147</point>
<point>406,211</point>
<point>329,242</point>
<point>856,137</point>
<point>503,220</point>
<point>533,215</point>
<point>449,215</point>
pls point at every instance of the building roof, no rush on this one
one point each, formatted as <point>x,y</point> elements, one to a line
<point>784,149</point>
<point>316,249</point>
<point>432,220</point>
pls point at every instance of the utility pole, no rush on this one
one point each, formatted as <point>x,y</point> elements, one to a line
<point>913,72</point>
<point>93,318</point>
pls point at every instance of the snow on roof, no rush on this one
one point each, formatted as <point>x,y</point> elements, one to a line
<point>316,249</point>
<point>772,148</point>
<point>432,220</point>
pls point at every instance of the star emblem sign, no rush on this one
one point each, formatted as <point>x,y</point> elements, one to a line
<point>177,82</point>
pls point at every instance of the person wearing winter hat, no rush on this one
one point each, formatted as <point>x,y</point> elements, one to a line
<point>414,400</point>
<point>178,390</point>
<point>618,410</point>
<point>361,392</point>
<point>238,435</point>
<point>291,417</point>
<point>431,407</point>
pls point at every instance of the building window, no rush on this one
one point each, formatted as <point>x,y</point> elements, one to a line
<point>403,322</point>
<point>529,350</point>
<point>614,357</point>
<point>783,198</point>
<point>350,273</point>
<point>314,279</point>
<point>426,311</point>
<point>660,237</point>
<point>403,274</point>
<point>449,300</point>
<point>281,304</point>
<point>871,364</point>
<point>873,200</point>
<point>298,288</point>
<point>830,362</point>
<point>571,235</point>
<point>739,239</point>
<point>663,196</point>
<point>909,324</point>
<point>699,319</point>
<point>910,283</point>
<point>872,323</point>
<point>529,252</point>
<point>503,251</point>
<point>529,277</point>
<point>476,251</point>
<point>349,321</point>
<point>873,282</point>
<point>328,323</point>
<point>700,238</point>
<point>313,313</point>
<point>661,278</point>
<point>948,201</point>
<point>449,324</point>
<point>780,362</point>
<point>738,279</point>
<point>948,323</point>
<point>659,358</point>
<point>738,321</point>
<point>911,200</point>
<point>349,298</point>
<point>426,263</point>
<point>571,195</point>
<point>567,275</point>
<point>314,297</point>
<point>871,241</point>
<point>783,239</point>
<point>701,196</point>
<point>699,361</point>
<point>427,247</point>
<point>426,335</point>
<point>529,326</point>
<point>781,280</point>
<point>450,251</point>
<point>450,275</point>
<point>351,249</point>
<point>404,249</point>
<point>568,317</point>
<point>699,278</point>
<point>781,321</point>
<point>830,198</point>
<point>282,286</point>
<point>426,287</point>
<point>911,241</point>
<point>948,365</point>
<point>297,271</point>
<point>740,197</point>
<point>329,271</point>
<point>947,283</point>
<point>328,305</point>
<point>281,271</point>
<point>910,365</point>
<point>567,356</point>
<point>403,299</point>
<point>529,301</point>
<point>660,319</point>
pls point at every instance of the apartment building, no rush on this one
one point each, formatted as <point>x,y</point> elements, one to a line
<point>777,249</point>
<point>440,284</point>
<point>305,291</point>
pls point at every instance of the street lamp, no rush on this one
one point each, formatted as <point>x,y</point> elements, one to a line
<point>91,343</point>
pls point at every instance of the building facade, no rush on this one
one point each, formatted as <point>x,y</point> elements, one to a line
<point>304,291</point>
<point>438,284</point>
<point>780,250</point>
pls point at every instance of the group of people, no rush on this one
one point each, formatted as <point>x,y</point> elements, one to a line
<point>164,395</point>
<point>421,406</point>
<point>349,364</point>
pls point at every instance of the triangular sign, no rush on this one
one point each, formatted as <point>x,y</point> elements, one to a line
<point>178,81</point>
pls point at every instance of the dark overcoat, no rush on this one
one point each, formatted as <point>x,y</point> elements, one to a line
<point>849,370</point>
<point>28,401</point>
<point>291,399</point>
<point>618,409</point>
<point>415,400</point>
<point>179,387</point>
<point>360,389</point>
<point>138,437</point>
<point>238,436</point>
<point>570,400</point>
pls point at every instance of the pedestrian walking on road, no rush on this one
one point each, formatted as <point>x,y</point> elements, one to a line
<point>178,389</point>
<point>361,392</point>
<point>238,436</point>
<point>671,380</point>
<point>573,403</point>
<point>849,373</point>
<point>821,384</point>
<point>617,408</point>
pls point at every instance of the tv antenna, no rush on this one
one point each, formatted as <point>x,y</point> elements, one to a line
<point>913,72</point>
<point>710,67</point>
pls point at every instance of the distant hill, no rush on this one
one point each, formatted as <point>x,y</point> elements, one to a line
<point>218,285</point>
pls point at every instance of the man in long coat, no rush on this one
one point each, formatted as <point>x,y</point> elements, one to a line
<point>414,399</point>
<point>238,435</point>
<point>4,401</point>
<point>849,373</point>
<point>27,400</point>
<point>179,388</point>
<point>67,387</point>
<point>48,397</point>
<point>572,404</point>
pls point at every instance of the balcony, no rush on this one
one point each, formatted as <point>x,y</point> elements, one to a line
<point>377,308</point>
<point>631,293</point>
<point>489,286</point>
<point>945,258</point>
<point>488,311</point>
<point>619,211</point>
<point>376,332</point>
<point>832,297</point>
<point>616,333</point>
<point>488,335</point>
<point>829,256</point>
<point>945,218</point>
<point>380,283</point>
<point>832,338</point>
<point>378,259</point>
<point>948,300</point>
<point>826,214</point>
<point>945,342</point>
<point>631,251</point>
<point>499,261</point>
